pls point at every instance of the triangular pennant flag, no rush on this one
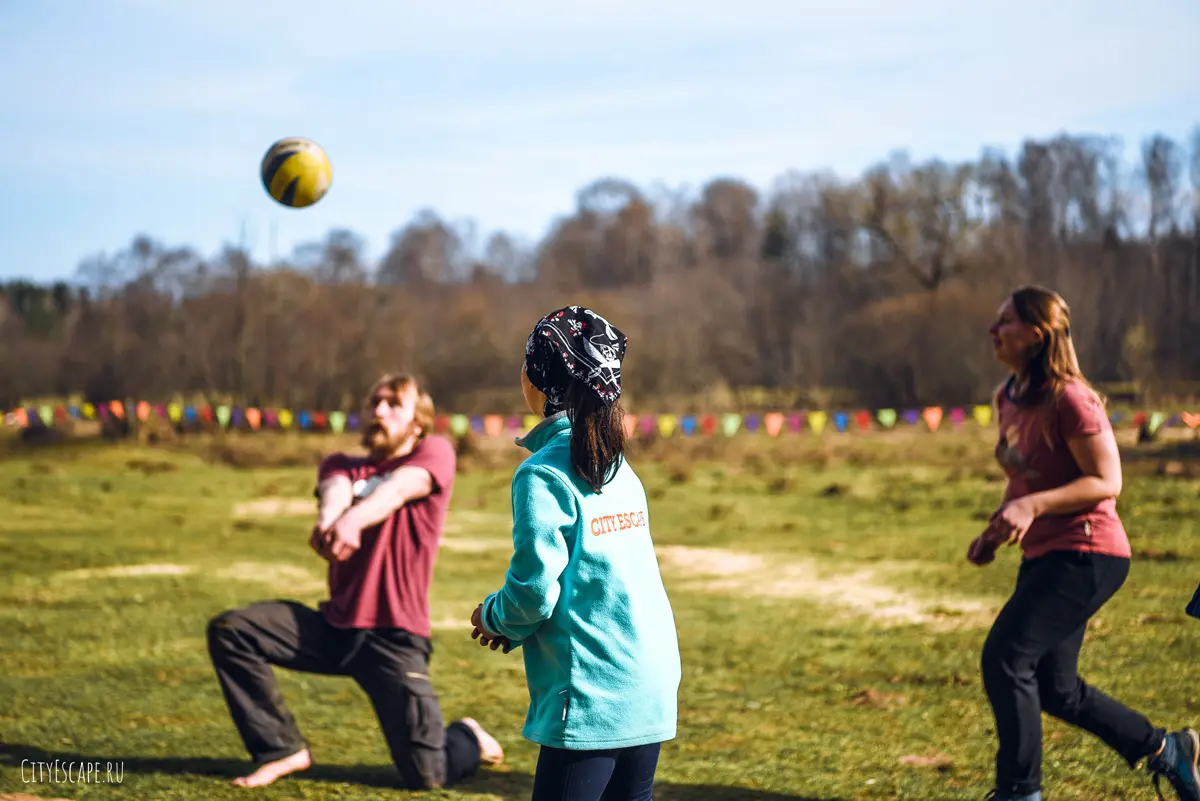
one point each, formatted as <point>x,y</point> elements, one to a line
<point>1156,420</point>
<point>89,411</point>
<point>667,424</point>
<point>285,418</point>
<point>174,412</point>
<point>982,414</point>
<point>224,413</point>
<point>102,413</point>
<point>74,411</point>
<point>795,422</point>
<point>493,425</point>
<point>817,421</point>
<point>459,423</point>
<point>441,424</point>
<point>1140,419</point>
<point>254,418</point>
<point>46,415</point>
<point>911,416</point>
<point>320,421</point>
<point>477,423</point>
<point>337,422</point>
<point>237,416</point>
<point>751,422</point>
<point>932,415</point>
<point>773,423</point>
<point>646,424</point>
<point>730,423</point>
<point>629,421</point>
<point>22,418</point>
<point>862,419</point>
<point>206,413</point>
<point>1190,420</point>
<point>708,424</point>
<point>160,411</point>
<point>957,414</point>
<point>118,409</point>
<point>886,417</point>
<point>513,423</point>
<point>270,418</point>
<point>530,422</point>
<point>687,424</point>
<point>60,414</point>
<point>353,421</point>
<point>840,421</point>
<point>143,411</point>
<point>304,420</point>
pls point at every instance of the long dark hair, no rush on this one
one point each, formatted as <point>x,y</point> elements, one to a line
<point>597,435</point>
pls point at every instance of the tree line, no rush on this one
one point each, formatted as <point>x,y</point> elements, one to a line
<point>874,291</point>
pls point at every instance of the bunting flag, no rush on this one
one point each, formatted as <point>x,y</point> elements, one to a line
<point>666,425</point>
<point>773,422</point>
<point>982,414</point>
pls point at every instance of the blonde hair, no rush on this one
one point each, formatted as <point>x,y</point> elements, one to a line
<point>424,414</point>
<point>1053,362</point>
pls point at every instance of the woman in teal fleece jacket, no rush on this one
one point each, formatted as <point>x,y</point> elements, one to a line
<point>583,596</point>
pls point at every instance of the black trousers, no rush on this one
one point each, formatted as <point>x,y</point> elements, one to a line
<point>622,774</point>
<point>1030,662</point>
<point>391,666</point>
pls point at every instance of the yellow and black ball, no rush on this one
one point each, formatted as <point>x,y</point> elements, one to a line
<point>296,172</point>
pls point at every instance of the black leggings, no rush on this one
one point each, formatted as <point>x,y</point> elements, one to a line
<point>622,774</point>
<point>1030,666</point>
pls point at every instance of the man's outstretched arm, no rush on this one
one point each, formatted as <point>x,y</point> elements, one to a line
<point>335,495</point>
<point>405,484</point>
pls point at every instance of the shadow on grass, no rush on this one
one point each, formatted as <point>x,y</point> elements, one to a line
<point>509,786</point>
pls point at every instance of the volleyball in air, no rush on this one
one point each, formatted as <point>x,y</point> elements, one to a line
<point>296,172</point>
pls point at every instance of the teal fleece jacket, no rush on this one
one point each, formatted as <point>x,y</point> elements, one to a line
<point>585,600</point>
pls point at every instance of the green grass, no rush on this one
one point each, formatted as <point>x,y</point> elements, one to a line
<point>787,694</point>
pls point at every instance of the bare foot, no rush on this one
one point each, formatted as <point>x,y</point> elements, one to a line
<point>269,772</point>
<point>490,752</point>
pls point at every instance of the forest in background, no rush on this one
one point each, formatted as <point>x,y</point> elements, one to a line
<point>875,291</point>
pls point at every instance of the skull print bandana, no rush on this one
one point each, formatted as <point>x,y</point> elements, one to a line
<point>574,342</point>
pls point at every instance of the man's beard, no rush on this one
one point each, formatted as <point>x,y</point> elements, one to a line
<point>376,440</point>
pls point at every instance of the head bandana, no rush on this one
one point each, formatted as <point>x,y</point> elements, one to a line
<point>574,342</point>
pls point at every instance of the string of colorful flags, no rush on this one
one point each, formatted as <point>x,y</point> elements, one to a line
<point>191,416</point>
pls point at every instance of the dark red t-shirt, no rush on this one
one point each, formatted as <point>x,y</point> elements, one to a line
<point>385,584</point>
<point>1035,465</point>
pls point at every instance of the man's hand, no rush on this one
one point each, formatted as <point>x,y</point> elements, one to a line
<point>345,537</point>
<point>319,541</point>
<point>486,637</point>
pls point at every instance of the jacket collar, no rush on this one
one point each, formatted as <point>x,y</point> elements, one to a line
<point>543,432</point>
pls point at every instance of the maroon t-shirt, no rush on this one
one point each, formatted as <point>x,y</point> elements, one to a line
<point>385,583</point>
<point>1035,465</point>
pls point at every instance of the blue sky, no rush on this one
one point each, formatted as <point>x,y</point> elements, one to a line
<point>151,116</point>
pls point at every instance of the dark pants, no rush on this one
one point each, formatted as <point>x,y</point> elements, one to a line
<point>1030,666</point>
<point>390,665</point>
<point>622,774</point>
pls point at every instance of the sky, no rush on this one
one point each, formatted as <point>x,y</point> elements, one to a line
<point>151,117</point>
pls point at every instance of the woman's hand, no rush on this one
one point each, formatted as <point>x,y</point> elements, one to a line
<point>1011,522</point>
<point>485,637</point>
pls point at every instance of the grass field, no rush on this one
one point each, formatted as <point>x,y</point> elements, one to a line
<point>829,622</point>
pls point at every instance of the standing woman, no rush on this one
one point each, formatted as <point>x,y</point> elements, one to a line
<point>583,594</point>
<point>1064,474</point>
